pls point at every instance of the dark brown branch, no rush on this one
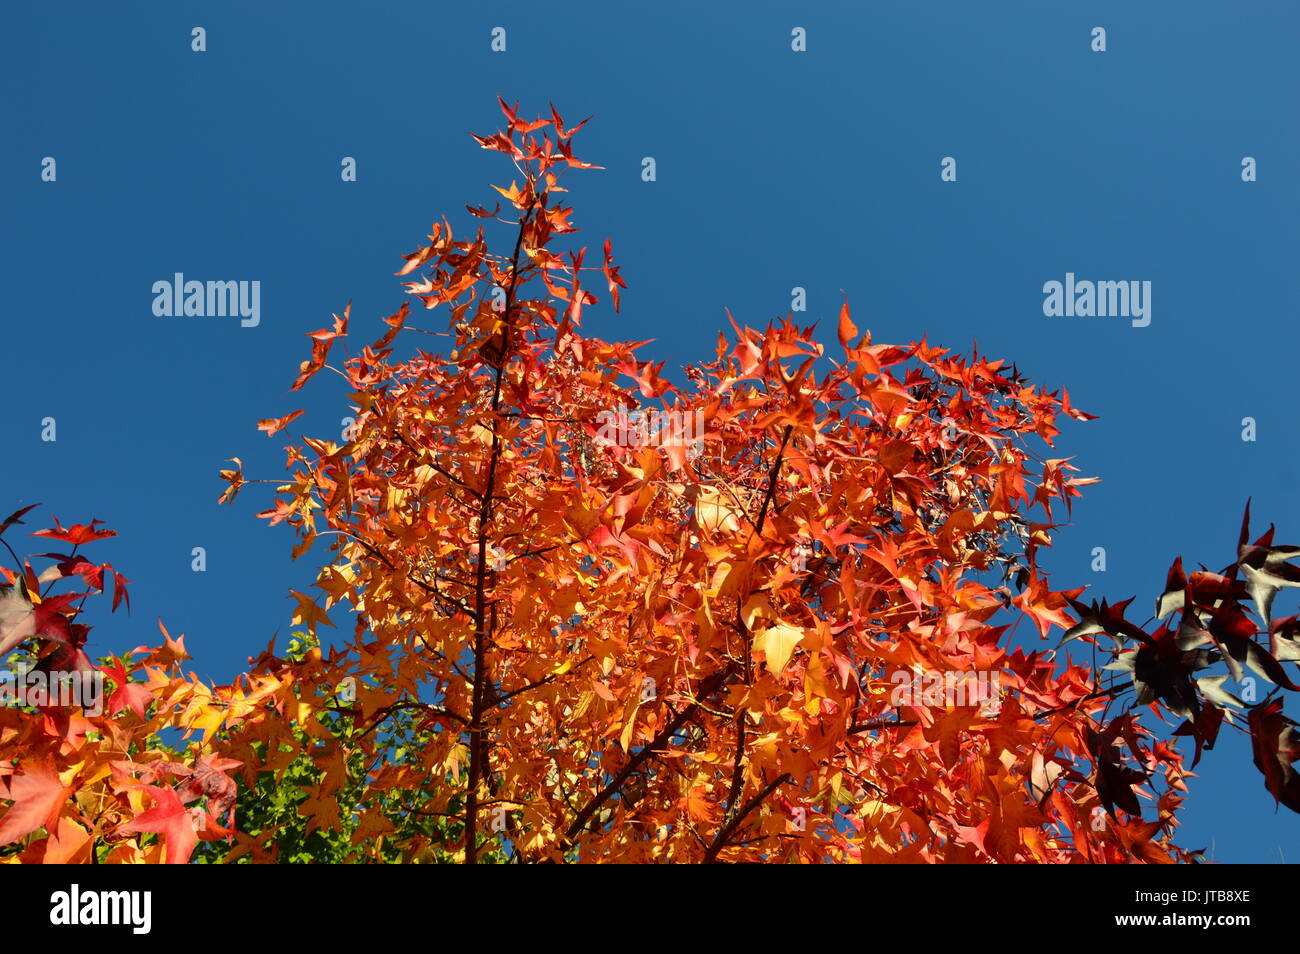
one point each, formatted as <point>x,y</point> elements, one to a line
<point>737,771</point>
<point>707,688</point>
<point>720,841</point>
<point>772,478</point>
<point>540,682</point>
<point>478,753</point>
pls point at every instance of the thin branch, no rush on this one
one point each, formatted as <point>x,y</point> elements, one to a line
<point>707,688</point>
<point>720,841</point>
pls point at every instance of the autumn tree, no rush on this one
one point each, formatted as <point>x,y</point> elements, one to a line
<point>585,629</point>
<point>781,611</point>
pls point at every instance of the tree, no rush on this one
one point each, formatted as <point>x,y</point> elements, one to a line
<point>753,617</point>
<point>767,615</point>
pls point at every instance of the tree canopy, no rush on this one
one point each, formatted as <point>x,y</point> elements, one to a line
<point>775,612</point>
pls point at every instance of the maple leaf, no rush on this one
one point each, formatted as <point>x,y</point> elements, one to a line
<point>320,348</point>
<point>20,619</point>
<point>127,694</point>
<point>612,278</point>
<point>777,644</point>
<point>1174,596</point>
<point>308,612</point>
<point>697,804</point>
<point>273,424</point>
<point>16,517</point>
<point>1285,639</point>
<point>69,843</point>
<point>169,654</point>
<point>1276,747</point>
<point>1072,411</point>
<point>1137,836</point>
<point>120,594</point>
<point>1266,574</point>
<point>69,565</point>
<point>1045,607</point>
<point>234,477</point>
<point>170,819</point>
<point>847,330</point>
<point>17,618</point>
<point>1114,781</point>
<point>77,534</point>
<point>37,796</point>
<point>207,778</point>
<point>1204,729</point>
<point>713,509</point>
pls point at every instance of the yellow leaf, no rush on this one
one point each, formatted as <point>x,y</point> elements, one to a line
<point>629,720</point>
<point>816,686</point>
<point>714,512</point>
<point>308,612</point>
<point>778,643</point>
<point>512,193</point>
<point>208,720</point>
<point>585,700</point>
<point>757,607</point>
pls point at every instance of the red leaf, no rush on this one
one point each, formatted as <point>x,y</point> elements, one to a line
<point>1276,747</point>
<point>319,352</point>
<point>128,694</point>
<point>1074,412</point>
<point>119,590</point>
<point>847,330</point>
<point>273,424</point>
<point>15,517</point>
<point>37,797</point>
<point>170,819</point>
<point>77,534</point>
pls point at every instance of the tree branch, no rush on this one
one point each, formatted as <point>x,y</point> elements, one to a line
<point>720,841</point>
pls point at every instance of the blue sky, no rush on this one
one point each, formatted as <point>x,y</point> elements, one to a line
<point>775,169</point>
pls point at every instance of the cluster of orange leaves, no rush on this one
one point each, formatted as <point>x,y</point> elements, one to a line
<point>619,647</point>
<point>102,774</point>
<point>675,653</point>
